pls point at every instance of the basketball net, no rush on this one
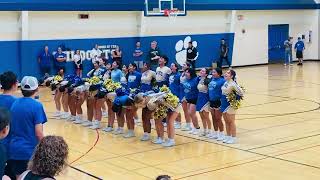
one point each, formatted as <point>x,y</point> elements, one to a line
<point>172,14</point>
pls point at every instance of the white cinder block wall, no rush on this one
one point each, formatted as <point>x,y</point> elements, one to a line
<point>10,28</point>
<point>67,25</point>
<point>252,47</point>
<point>249,48</point>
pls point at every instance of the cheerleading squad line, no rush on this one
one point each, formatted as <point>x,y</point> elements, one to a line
<point>162,96</point>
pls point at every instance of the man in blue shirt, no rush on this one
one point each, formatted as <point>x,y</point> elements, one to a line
<point>26,127</point>
<point>9,85</point>
<point>299,47</point>
<point>44,59</point>
<point>4,131</point>
<point>60,60</point>
<point>137,55</point>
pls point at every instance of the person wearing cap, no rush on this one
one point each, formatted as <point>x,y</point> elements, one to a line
<point>192,54</point>
<point>28,117</point>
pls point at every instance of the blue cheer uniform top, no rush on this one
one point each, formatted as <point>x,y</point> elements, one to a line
<point>174,84</point>
<point>215,91</point>
<point>191,89</point>
<point>146,80</point>
<point>183,79</point>
<point>134,80</point>
<point>203,97</point>
<point>227,88</point>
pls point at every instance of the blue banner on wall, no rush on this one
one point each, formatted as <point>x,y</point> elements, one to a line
<point>21,56</point>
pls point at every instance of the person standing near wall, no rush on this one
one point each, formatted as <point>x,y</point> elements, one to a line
<point>299,48</point>
<point>192,54</point>
<point>117,55</point>
<point>224,49</point>
<point>60,60</point>
<point>44,59</point>
<point>78,63</point>
<point>137,55</point>
<point>288,51</point>
<point>4,131</point>
<point>153,55</point>
<point>95,53</point>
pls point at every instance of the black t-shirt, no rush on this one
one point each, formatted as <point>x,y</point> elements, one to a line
<point>223,49</point>
<point>3,159</point>
<point>192,53</point>
<point>151,54</point>
<point>32,176</point>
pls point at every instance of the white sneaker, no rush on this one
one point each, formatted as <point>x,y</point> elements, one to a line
<point>232,140</point>
<point>118,131</point>
<point>158,140</point>
<point>214,135</point>
<point>221,137</point>
<point>56,114</point>
<point>291,64</point>
<point>71,118</point>
<point>285,64</point>
<point>65,115</point>
<point>86,123</point>
<point>164,124</point>
<point>78,120</point>
<point>177,125</point>
<point>203,133</point>
<point>209,135</point>
<point>169,143</point>
<point>130,134</point>
<point>226,139</point>
<point>187,127</point>
<point>95,125</point>
<point>145,137</point>
<point>104,114</point>
<point>107,129</point>
<point>196,132</point>
<point>191,131</point>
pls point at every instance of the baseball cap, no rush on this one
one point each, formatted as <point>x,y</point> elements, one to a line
<point>29,83</point>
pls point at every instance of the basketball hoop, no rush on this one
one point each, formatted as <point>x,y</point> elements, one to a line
<point>172,14</point>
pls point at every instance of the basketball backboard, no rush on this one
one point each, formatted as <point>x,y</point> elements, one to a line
<point>158,7</point>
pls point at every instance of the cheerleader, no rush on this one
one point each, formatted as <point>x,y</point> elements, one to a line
<point>174,85</point>
<point>57,95</point>
<point>134,81</point>
<point>80,98</point>
<point>184,103</point>
<point>191,94</point>
<point>153,102</point>
<point>163,72</point>
<point>214,95</point>
<point>116,75</point>
<point>229,112</point>
<point>203,105</point>
<point>147,79</point>
<point>91,99</point>
<point>78,63</point>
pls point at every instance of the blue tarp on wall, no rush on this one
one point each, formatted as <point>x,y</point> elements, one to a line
<point>21,56</point>
<point>138,5</point>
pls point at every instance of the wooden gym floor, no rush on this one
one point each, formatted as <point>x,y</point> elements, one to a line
<point>278,130</point>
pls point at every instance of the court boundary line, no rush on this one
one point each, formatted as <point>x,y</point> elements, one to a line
<point>84,172</point>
